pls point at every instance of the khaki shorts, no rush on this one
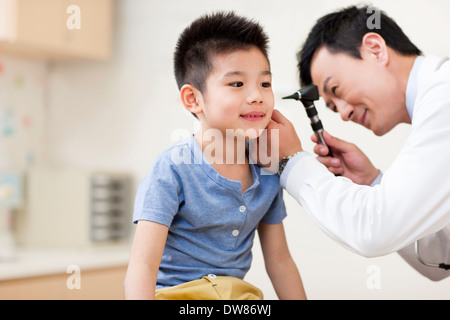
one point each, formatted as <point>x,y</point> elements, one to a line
<point>211,287</point>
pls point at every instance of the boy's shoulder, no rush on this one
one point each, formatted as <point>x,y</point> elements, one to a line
<point>182,152</point>
<point>184,143</point>
<point>165,166</point>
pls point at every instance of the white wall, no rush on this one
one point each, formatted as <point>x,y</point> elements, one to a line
<point>121,114</point>
<point>22,109</point>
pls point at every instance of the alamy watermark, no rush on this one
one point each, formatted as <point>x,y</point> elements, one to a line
<point>74,280</point>
<point>374,280</point>
<point>73,21</point>
<point>232,147</point>
<point>374,21</point>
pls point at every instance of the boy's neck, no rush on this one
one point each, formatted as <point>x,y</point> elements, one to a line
<point>221,148</point>
<point>227,155</point>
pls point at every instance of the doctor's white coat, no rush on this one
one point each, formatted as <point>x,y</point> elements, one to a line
<point>413,199</point>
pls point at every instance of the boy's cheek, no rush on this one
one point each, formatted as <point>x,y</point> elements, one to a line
<point>269,116</point>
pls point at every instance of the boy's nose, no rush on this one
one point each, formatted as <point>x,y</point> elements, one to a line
<point>255,96</point>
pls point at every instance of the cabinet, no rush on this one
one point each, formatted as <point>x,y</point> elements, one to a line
<point>100,284</point>
<point>65,273</point>
<point>56,29</point>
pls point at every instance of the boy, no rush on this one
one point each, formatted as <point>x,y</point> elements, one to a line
<point>196,218</point>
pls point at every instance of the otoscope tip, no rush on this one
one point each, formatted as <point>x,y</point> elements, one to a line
<point>292,96</point>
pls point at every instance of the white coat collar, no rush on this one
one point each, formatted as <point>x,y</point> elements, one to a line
<point>420,74</point>
<point>411,87</point>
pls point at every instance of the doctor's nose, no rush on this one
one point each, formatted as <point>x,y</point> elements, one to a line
<point>345,109</point>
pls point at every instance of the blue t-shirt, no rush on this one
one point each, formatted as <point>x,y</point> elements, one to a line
<point>211,223</point>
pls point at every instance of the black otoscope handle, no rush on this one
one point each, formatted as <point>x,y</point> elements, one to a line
<point>316,124</point>
<point>317,127</point>
<point>307,95</point>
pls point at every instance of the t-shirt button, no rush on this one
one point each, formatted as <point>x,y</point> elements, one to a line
<point>235,233</point>
<point>242,208</point>
<point>211,276</point>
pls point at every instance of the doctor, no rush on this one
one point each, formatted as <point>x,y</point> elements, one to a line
<point>378,79</point>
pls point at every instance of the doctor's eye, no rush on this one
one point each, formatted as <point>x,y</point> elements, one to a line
<point>333,90</point>
<point>266,85</point>
<point>332,107</point>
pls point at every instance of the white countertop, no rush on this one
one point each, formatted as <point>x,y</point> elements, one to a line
<point>31,262</point>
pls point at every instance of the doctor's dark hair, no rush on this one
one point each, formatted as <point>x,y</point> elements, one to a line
<point>210,35</point>
<point>343,31</point>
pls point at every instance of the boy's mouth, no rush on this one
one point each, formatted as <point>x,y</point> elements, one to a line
<point>253,116</point>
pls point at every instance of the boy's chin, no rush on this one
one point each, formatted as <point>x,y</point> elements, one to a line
<point>254,132</point>
<point>250,134</point>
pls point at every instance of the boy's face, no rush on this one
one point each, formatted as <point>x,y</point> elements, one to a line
<point>238,93</point>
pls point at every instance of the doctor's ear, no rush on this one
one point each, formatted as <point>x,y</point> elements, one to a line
<point>191,97</point>
<point>373,45</point>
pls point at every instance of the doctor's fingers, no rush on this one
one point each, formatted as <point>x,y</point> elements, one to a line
<point>334,165</point>
<point>320,149</point>
<point>335,143</point>
<point>281,121</point>
<point>278,117</point>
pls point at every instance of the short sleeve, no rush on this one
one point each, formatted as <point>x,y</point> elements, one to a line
<point>159,193</point>
<point>277,211</point>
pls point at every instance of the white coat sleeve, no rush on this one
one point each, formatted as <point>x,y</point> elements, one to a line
<point>412,200</point>
<point>434,248</point>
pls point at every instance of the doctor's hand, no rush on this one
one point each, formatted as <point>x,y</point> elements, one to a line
<point>348,161</point>
<point>279,140</point>
<point>289,142</point>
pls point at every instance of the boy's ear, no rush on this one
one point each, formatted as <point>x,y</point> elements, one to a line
<point>190,97</point>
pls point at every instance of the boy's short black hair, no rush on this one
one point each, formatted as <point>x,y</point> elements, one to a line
<point>343,31</point>
<point>209,35</point>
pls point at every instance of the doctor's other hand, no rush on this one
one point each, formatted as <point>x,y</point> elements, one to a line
<point>279,140</point>
<point>348,161</point>
<point>289,142</point>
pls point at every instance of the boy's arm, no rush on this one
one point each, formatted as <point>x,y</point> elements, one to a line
<point>146,253</point>
<point>280,266</point>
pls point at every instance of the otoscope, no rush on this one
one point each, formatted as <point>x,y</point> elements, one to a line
<point>307,95</point>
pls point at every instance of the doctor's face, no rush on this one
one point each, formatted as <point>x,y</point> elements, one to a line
<point>360,90</point>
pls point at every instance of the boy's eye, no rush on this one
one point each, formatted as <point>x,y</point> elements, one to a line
<point>237,84</point>
<point>266,84</point>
